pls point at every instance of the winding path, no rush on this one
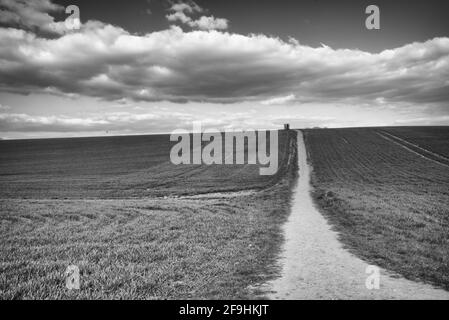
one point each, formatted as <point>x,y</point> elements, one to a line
<point>315,264</point>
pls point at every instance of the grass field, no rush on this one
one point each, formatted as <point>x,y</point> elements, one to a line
<point>137,229</point>
<point>433,138</point>
<point>388,199</point>
<point>127,243</point>
<point>115,167</point>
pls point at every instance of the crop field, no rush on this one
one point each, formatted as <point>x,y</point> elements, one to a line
<point>137,226</point>
<point>386,191</point>
<point>434,139</point>
<point>116,167</point>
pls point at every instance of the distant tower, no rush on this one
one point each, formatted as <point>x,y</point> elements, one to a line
<point>286,126</point>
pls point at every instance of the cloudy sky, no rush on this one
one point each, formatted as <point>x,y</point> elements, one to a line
<point>152,66</point>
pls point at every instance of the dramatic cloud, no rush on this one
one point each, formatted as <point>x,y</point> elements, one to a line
<point>181,11</point>
<point>108,62</point>
<point>31,15</point>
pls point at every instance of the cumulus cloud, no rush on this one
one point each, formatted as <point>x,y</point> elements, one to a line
<point>181,11</point>
<point>108,62</point>
<point>31,15</point>
<point>209,23</point>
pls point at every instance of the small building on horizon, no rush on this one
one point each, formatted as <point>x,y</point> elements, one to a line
<point>287,126</point>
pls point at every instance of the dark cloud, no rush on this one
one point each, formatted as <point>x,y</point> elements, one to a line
<point>106,61</point>
<point>31,15</point>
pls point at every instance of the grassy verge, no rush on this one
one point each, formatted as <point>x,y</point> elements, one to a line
<point>144,249</point>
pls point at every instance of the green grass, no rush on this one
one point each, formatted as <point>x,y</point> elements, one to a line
<point>389,205</point>
<point>146,248</point>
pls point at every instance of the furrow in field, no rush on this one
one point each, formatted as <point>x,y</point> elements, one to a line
<point>360,163</point>
<point>434,154</point>
<point>423,153</point>
<point>389,160</point>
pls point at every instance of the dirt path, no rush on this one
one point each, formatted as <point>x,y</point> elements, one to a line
<point>315,264</point>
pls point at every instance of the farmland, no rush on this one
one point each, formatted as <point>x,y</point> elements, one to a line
<point>115,167</point>
<point>137,226</point>
<point>386,191</point>
<point>433,138</point>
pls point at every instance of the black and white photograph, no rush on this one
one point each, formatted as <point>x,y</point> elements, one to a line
<point>253,151</point>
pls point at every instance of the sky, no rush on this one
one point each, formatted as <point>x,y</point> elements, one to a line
<point>154,66</point>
